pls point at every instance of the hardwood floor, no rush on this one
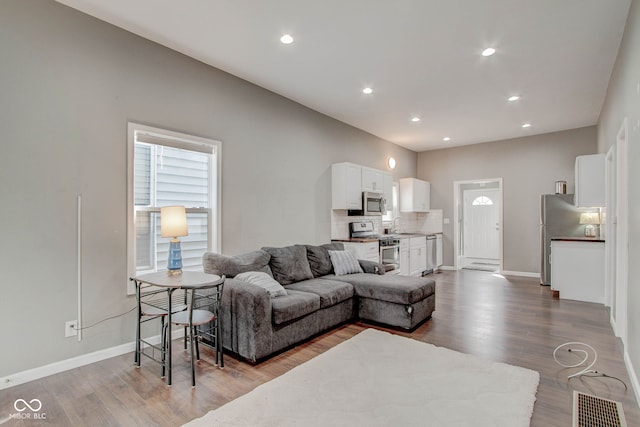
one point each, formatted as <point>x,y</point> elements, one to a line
<point>511,320</point>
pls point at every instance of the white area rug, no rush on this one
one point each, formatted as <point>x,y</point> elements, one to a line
<point>380,379</point>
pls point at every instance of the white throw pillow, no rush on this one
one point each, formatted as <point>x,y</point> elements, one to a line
<point>263,280</point>
<point>344,263</point>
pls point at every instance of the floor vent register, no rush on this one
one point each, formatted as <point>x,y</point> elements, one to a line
<point>592,411</point>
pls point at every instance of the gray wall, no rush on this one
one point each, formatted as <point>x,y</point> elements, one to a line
<point>69,84</point>
<point>528,166</point>
<point>623,101</point>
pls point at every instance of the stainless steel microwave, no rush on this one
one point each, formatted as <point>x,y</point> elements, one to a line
<point>372,204</point>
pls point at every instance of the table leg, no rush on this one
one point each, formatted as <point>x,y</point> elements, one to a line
<point>137,354</point>
<point>219,346</point>
<point>168,349</point>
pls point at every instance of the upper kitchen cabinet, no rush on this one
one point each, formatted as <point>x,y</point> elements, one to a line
<point>387,188</point>
<point>590,180</point>
<point>415,195</point>
<point>378,181</point>
<point>346,186</point>
<point>372,180</point>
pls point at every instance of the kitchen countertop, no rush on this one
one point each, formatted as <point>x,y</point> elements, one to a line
<point>577,239</point>
<point>357,239</point>
<point>407,235</point>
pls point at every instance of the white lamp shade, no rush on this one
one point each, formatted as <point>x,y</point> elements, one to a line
<point>173,221</point>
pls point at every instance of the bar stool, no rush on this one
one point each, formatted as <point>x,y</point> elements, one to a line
<point>153,309</point>
<point>202,321</point>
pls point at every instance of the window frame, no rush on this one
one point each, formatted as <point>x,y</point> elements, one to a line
<point>177,140</point>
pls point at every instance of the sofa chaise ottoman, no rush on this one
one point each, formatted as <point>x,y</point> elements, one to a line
<point>274,298</point>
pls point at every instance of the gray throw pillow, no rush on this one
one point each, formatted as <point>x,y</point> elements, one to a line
<point>230,266</point>
<point>289,264</point>
<point>263,280</point>
<point>344,263</point>
<point>319,259</point>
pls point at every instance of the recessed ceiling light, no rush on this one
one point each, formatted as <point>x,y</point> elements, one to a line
<point>415,119</point>
<point>488,51</point>
<point>367,90</point>
<point>446,138</point>
<point>526,125</point>
<point>286,39</point>
<point>513,98</point>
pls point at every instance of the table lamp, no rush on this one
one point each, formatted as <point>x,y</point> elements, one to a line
<point>589,219</point>
<point>173,223</point>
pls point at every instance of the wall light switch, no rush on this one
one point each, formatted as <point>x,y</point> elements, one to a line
<point>446,221</point>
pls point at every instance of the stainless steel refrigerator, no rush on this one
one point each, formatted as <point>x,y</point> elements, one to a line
<point>558,218</point>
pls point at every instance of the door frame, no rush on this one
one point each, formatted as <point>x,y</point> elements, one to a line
<point>457,218</point>
<point>610,233</point>
<point>622,234</point>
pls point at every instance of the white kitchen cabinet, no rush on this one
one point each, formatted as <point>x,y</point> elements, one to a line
<point>590,180</point>
<point>404,257</point>
<point>577,270</point>
<point>387,189</point>
<point>346,186</point>
<point>417,255</point>
<point>372,180</point>
<point>364,250</point>
<point>415,195</point>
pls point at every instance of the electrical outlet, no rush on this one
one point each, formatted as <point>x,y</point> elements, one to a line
<point>71,328</point>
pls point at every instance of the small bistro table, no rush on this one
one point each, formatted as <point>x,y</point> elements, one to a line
<point>159,283</point>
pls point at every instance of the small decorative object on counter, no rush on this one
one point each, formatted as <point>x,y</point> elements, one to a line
<point>590,221</point>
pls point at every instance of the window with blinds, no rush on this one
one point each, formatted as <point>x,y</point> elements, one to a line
<point>169,169</point>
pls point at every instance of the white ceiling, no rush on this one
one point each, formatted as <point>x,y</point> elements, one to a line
<point>421,57</point>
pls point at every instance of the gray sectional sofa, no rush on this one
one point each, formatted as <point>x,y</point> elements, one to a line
<point>257,324</point>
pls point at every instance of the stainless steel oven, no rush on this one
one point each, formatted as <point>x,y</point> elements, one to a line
<point>390,254</point>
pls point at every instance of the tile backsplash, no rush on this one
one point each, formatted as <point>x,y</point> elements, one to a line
<point>409,222</point>
<point>340,223</point>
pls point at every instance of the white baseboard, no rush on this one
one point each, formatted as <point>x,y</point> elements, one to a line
<point>504,272</point>
<point>520,273</point>
<point>75,362</point>
<point>632,376</point>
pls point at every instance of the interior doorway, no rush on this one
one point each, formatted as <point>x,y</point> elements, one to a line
<point>621,226</point>
<point>478,224</point>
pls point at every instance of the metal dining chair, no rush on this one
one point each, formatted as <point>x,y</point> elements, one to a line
<point>153,309</point>
<point>202,322</point>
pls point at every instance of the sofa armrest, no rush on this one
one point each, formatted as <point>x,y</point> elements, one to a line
<point>371,267</point>
<point>246,314</point>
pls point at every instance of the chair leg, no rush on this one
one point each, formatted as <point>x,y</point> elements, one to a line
<point>197,343</point>
<point>193,369</point>
<point>219,347</point>
<point>185,337</point>
<point>163,339</point>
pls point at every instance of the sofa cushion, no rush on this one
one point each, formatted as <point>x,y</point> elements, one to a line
<point>289,264</point>
<point>263,280</point>
<point>331,292</point>
<point>319,259</point>
<point>293,306</point>
<point>344,262</point>
<point>389,287</point>
<point>231,266</point>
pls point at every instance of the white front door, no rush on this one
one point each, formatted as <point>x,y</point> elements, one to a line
<point>481,216</point>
